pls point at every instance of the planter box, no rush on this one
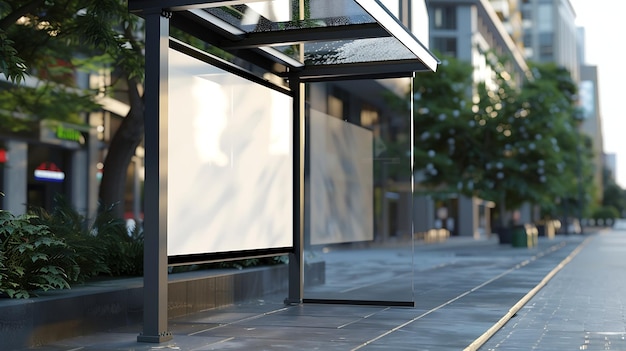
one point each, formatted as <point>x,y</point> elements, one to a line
<point>98,306</point>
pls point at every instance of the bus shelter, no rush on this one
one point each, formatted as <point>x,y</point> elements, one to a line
<point>229,172</point>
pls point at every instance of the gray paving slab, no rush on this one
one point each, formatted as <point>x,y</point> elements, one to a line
<point>462,288</point>
<point>583,307</point>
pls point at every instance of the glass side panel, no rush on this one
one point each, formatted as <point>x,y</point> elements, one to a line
<point>359,193</point>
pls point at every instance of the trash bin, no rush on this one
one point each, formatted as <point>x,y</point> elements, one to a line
<point>525,236</point>
<point>520,236</point>
<point>504,234</point>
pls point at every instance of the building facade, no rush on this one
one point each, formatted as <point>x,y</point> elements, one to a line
<point>550,33</point>
<point>589,103</point>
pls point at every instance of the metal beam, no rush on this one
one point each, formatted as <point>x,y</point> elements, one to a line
<point>365,70</point>
<point>190,25</point>
<point>155,202</point>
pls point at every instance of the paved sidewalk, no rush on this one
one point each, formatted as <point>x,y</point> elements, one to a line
<point>462,288</point>
<point>582,308</point>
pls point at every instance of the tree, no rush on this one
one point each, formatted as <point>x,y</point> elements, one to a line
<point>445,140</point>
<point>513,144</point>
<point>562,154</point>
<point>613,195</point>
<point>46,39</point>
<point>532,150</point>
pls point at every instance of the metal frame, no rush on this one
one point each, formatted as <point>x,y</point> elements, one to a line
<point>157,15</point>
<point>155,201</point>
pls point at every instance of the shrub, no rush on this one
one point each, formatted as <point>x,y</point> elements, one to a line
<point>123,252</point>
<point>31,258</point>
<point>69,225</point>
<point>103,247</point>
<point>606,212</point>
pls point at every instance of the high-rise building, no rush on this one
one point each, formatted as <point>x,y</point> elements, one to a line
<point>470,28</point>
<point>592,122</point>
<point>550,33</point>
<point>610,164</point>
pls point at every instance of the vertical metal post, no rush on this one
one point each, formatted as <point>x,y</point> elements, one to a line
<point>296,258</point>
<point>155,202</point>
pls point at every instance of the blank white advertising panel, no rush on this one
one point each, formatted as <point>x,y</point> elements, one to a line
<point>341,181</point>
<point>230,162</point>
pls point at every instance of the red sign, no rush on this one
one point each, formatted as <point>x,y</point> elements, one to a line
<point>3,156</point>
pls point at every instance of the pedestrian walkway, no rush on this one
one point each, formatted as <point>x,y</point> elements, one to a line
<point>582,308</point>
<point>462,289</point>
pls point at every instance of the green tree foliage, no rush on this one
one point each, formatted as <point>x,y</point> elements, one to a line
<point>499,140</point>
<point>48,42</point>
<point>445,137</point>
<point>42,41</point>
<point>562,155</point>
<point>613,195</point>
<point>533,150</point>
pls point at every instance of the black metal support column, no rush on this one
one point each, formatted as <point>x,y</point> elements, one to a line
<point>155,203</point>
<point>296,258</point>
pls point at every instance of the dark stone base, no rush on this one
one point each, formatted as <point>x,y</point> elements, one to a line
<point>99,306</point>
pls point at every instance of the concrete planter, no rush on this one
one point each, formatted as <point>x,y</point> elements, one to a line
<point>103,305</point>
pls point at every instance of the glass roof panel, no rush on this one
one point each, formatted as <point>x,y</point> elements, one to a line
<point>301,34</point>
<point>276,15</point>
<point>349,51</point>
<point>356,51</point>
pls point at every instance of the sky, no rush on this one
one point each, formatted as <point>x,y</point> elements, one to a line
<point>604,21</point>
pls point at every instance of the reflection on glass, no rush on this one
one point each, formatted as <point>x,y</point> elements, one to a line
<point>353,51</point>
<point>229,162</point>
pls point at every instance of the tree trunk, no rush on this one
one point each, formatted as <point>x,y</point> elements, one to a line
<point>120,153</point>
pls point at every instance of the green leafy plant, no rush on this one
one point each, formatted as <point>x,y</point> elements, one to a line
<point>103,247</point>
<point>123,250</point>
<point>31,258</point>
<point>86,250</point>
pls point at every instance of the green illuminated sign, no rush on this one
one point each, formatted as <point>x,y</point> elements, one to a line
<point>70,134</point>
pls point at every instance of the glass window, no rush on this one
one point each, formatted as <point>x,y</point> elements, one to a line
<point>544,20</point>
<point>335,106</point>
<point>444,17</point>
<point>446,46</point>
<point>546,46</point>
<point>369,116</point>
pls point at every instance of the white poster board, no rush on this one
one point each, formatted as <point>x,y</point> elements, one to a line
<point>341,181</point>
<point>230,162</point>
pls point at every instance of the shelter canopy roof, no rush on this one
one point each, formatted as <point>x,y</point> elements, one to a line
<point>315,39</point>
